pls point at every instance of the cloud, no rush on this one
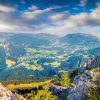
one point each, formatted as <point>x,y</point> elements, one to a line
<point>6,9</point>
<point>32,8</point>
<point>82,23</point>
<point>34,13</point>
<point>59,16</point>
<point>83,2</point>
<point>85,19</point>
<point>47,20</point>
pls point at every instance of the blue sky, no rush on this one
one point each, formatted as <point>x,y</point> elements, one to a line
<point>50,16</point>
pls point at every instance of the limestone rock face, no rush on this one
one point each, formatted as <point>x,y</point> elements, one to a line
<point>7,95</point>
<point>58,90</point>
<point>81,83</point>
<point>92,63</point>
<point>80,86</point>
<point>98,80</point>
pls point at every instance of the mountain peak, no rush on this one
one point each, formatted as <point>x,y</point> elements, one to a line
<point>80,39</point>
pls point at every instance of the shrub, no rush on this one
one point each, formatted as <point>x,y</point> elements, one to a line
<point>93,94</point>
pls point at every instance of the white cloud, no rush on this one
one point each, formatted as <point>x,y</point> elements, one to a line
<point>79,19</point>
<point>32,8</point>
<point>46,20</point>
<point>6,9</point>
<point>59,16</point>
<point>83,22</point>
<point>85,19</point>
<point>83,2</point>
<point>96,14</point>
<point>35,13</point>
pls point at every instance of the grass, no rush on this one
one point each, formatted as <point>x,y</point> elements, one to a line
<point>13,87</point>
<point>10,62</point>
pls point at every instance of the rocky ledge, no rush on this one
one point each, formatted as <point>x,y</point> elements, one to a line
<point>82,82</point>
<point>5,94</point>
<point>92,63</point>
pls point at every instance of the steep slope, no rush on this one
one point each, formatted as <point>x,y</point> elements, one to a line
<point>2,58</point>
<point>8,95</point>
<point>22,73</point>
<point>88,79</point>
<point>92,63</point>
<point>5,94</point>
<point>94,51</point>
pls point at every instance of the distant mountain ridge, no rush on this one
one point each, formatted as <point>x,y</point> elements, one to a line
<point>80,39</point>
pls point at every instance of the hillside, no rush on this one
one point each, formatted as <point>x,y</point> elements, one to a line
<point>42,56</point>
<point>81,84</point>
<point>80,39</point>
<point>86,86</point>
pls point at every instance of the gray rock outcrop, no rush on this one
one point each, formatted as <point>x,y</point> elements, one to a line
<point>81,83</point>
<point>92,63</point>
<point>5,94</point>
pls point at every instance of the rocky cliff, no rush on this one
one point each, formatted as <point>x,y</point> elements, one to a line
<point>8,95</point>
<point>89,78</point>
<point>92,63</point>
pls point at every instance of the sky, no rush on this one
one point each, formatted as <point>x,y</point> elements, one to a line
<point>57,17</point>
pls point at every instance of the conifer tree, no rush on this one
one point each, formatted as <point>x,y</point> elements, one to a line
<point>65,80</point>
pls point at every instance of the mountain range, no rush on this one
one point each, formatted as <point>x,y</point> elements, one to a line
<point>39,56</point>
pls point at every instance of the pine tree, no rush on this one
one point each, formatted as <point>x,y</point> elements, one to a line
<point>45,94</point>
<point>65,80</point>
